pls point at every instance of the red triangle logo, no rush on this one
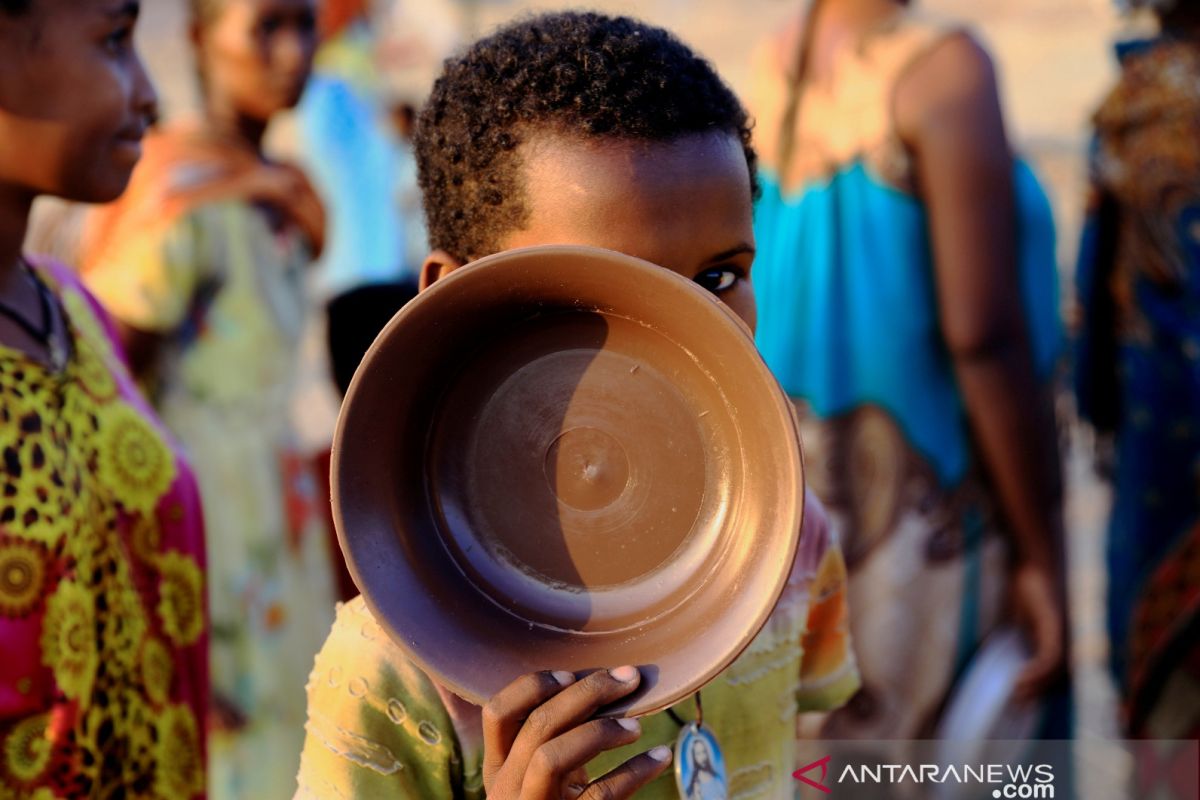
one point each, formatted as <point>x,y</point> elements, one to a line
<point>819,784</point>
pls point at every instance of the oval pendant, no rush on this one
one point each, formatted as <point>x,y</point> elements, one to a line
<point>700,765</point>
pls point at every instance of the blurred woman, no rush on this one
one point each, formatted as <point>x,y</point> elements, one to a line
<point>907,293</point>
<point>351,153</point>
<point>103,657</point>
<point>202,262</point>
<point>1139,367</point>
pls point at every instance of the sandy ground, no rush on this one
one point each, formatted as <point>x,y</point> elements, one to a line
<point>1054,61</point>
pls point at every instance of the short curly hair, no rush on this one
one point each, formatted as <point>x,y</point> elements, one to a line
<point>572,73</point>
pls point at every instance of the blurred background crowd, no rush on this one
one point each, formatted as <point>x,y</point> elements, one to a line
<point>1055,62</point>
<point>350,134</point>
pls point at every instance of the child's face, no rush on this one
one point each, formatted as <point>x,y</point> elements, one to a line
<point>74,98</point>
<point>683,204</point>
<point>258,54</point>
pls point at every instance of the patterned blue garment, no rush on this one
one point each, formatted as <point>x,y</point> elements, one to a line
<point>1138,375</point>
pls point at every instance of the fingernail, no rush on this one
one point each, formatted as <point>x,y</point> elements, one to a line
<point>661,754</point>
<point>631,725</point>
<point>624,674</point>
<point>563,677</point>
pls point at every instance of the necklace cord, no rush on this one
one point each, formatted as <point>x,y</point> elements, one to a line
<point>699,713</point>
<point>39,333</point>
<point>43,334</point>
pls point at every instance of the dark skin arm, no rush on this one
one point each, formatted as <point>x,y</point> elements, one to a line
<point>287,191</point>
<point>141,348</point>
<point>948,113</point>
<point>283,189</point>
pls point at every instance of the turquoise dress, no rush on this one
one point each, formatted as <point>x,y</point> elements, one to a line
<point>848,310</point>
<point>848,321</point>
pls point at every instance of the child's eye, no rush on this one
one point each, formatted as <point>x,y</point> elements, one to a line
<point>719,279</point>
<point>119,40</point>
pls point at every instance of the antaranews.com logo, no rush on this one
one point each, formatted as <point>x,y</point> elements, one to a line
<point>1009,781</point>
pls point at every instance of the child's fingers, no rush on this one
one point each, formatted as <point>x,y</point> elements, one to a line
<point>555,761</point>
<point>626,779</point>
<point>572,707</point>
<point>506,712</point>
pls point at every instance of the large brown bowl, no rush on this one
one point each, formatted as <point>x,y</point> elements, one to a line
<point>567,458</point>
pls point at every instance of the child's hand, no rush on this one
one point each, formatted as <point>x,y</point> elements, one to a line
<point>539,732</point>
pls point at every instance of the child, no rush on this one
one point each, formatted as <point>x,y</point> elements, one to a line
<point>582,129</point>
<point>203,262</point>
<point>103,673</point>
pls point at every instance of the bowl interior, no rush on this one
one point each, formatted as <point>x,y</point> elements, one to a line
<point>567,458</point>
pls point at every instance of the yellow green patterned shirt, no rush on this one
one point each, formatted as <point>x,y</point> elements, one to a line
<point>379,727</point>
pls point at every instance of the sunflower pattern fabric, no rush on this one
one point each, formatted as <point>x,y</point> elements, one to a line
<point>102,607</point>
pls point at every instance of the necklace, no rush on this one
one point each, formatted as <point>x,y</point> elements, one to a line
<point>699,763</point>
<point>43,333</point>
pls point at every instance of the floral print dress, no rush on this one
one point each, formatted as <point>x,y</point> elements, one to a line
<point>103,678</point>
<point>189,256</point>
